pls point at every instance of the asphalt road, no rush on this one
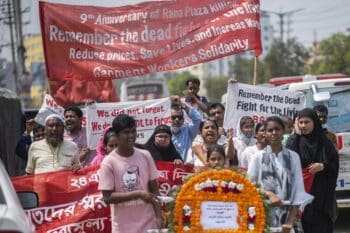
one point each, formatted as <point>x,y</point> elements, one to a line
<point>342,224</point>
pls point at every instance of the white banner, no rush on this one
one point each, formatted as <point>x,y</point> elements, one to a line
<point>48,107</point>
<point>259,103</point>
<point>148,114</point>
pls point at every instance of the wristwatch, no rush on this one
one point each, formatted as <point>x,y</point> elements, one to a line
<point>183,106</point>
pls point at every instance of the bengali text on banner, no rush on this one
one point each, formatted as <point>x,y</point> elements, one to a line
<point>71,202</point>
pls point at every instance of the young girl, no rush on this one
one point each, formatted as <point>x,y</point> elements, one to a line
<point>216,156</point>
<point>107,144</point>
<point>278,171</point>
<point>261,143</point>
<point>245,133</point>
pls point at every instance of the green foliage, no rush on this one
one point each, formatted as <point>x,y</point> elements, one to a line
<point>216,87</point>
<point>286,59</point>
<point>243,71</point>
<point>177,84</point>
<point>335,55</point>
<point>283,59</point>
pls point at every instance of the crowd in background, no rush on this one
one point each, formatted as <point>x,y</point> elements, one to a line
<point>295,161</point>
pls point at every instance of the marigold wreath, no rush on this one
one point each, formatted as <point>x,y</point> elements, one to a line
<point>218,186</point>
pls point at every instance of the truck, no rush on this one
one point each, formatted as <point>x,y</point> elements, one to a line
<point>332,90</point>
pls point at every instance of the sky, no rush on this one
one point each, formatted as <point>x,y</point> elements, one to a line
<point>313,20</point>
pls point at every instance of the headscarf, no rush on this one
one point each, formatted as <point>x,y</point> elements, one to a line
<point>162,153</point>
<point>100,150</point>
<point>310,146</point>
<point>240,134</point>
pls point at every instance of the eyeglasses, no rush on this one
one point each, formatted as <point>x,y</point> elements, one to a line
<point>163,136</point>
<point>179,117</point>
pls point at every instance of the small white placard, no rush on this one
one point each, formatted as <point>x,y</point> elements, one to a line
<point>219,215</point>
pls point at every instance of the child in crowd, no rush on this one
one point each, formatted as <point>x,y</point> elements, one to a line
<point>261,143</point>
<point>288,128</point>
<point>216,156</point>
<point>245,136</point>
<point>26,139</point>
<point>107,144</point>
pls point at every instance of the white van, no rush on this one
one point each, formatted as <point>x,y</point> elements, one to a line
<point>143,89</point>
<point>334,92</point>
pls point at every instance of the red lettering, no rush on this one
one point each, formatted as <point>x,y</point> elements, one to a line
<point>258,118</point>
<point>95,126</point>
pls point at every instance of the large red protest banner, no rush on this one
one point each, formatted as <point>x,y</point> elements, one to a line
<point>70,202</point>
<point>98,43</point>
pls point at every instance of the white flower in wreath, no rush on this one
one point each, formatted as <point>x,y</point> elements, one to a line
<point>215,183</point>
<point>251,226</point>
<point>240,187</point>
<point>208,183</point>
<point>187,210</point>
<point>223,184</point>
<point>202,185</point>
<point>251,211</point>
<point>197,187</point>
<point>186,228</point>
<point>232,185</point>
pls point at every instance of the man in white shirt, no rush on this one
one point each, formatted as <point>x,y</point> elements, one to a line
<point>52,153</point>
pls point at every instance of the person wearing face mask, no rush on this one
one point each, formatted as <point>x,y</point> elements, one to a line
<point>322,113</point>
<point>183,133</point>
<point>245,136</point>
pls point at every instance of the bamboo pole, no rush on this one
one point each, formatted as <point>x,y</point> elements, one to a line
<point>255,70</point>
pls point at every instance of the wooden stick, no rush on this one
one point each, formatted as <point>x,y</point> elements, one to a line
<point>255,70</point>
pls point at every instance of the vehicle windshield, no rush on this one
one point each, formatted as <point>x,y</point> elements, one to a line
<point>338,108</point>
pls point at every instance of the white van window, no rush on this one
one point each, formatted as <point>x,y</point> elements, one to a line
<point>338,108</point>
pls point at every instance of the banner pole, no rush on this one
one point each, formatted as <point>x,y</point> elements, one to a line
<point>255,70</point>
<point>48,88</point>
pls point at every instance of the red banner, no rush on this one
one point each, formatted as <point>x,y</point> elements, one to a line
<point>70,92</point>
<point>71,202</point>
<point>99,43</point>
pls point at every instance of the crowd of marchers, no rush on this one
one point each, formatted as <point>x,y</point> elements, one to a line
<point>295,161</point>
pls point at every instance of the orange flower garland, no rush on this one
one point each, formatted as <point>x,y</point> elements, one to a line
<point>223,185</point>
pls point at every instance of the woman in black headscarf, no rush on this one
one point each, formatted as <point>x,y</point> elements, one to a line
<point>320,161</point>
<point>161,147</point>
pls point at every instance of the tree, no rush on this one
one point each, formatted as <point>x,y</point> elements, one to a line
<point>286,59</point>
<point>216,87</point>
<point>243,70</point>
<point>334,55</point>
<point>177,84</point>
